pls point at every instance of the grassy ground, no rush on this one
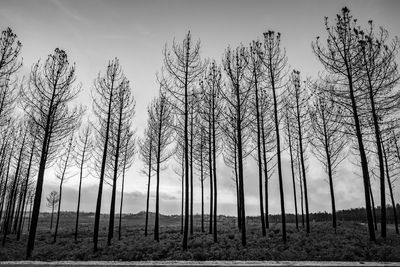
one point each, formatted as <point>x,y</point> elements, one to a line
<point>350,243</point>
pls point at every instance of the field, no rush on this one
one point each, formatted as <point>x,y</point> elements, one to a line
<point>351,242</point>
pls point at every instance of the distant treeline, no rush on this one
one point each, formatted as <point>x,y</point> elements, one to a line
<point>356,215</point>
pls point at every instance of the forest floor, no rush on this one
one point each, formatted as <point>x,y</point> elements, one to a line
<point>350,243</point>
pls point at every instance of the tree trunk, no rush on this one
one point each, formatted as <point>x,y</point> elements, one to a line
<point>293,175</point>
<point>12,198</point>
<point>278,154</point>
<point>302,161</point>
<point>122,197</point>
<point>156,224</point>
<point>52,213</point>
<point>330,174</point>
<point>240,156</point>
<point>58,212</point>
<point>26,189</point>
<point>239,209</point>
<point>378,149</point>
<point>191,170</point>
<point>373,208</point>
<point>363,157</point>
<point>183,189</point>
<point>102,172</point>
<point>211,174</point>
<point>202,185</point>
<point>186,228</point>
<point>265,163</point>
<point>301,191</point>
<point>148,190</point>
<point>396,224</point>
<point>214,161</point>
<point>79,191</point>
<point>260,183</point>
<point>114,186</point>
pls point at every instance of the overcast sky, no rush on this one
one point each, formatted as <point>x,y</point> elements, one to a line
<point>95,31</point>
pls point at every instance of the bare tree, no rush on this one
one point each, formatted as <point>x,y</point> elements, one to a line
<point>184,67</point>
<point>83,153</point>
<point>256,80</point>
<point>104,98</point>
<point>62,174</point>
<point>298,102</point>
<point>13,187</point>
<point>10,49</point>
<point>30,171</point>
<point>160,124</point>
<point>45,102</point>
<point>237,97</point>
<point>275,63</point>
<point>291,144</point>
<point>392,165</point>
<point>146,154</point>
<point>379,77</point>
<point>124,111</point>
<point>211,114</point>
<point>329,138</point>
<point>128,152</point>
<point>341,59</point>
<point>52,202</point>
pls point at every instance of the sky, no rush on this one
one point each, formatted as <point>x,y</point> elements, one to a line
<point>92,32</point>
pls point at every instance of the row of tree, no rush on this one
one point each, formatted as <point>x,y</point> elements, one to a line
<point>250,105</point>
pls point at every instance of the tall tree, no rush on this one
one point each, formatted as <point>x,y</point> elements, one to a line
<point>62,175</point>
<point>128,152</point>
<point>104,99</point>
<point>123,113</point>
<point>379,76</point>
<point>160,123</point>
<point>146,154</point>
<point>184,67</point>
<point>341,59</point>
<point>275,62</point>
<point>83,153</point>
<point>237,97</point>
<point>211,114</point>
<point>291,144</point>
<point>329,138</point>
<point>298,105</point>
<point>45,102</point>
<point>256,80</point>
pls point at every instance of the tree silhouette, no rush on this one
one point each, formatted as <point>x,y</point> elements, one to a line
<point>184,67</point>
<point>275,62</point>
<point>104,96</point>
<point>10,49</point>
<point>62,174</point>
<point>146,155</point>
<point>211,113</point>
<point>52,202</point>
<point>236,98</point>
<point>329,138</point>
<point>298,106</point>
<point>45,102</point>
<point>160,124</point>
<point>341,59</point>
<point>83,153</point>
<point>123,112</point>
